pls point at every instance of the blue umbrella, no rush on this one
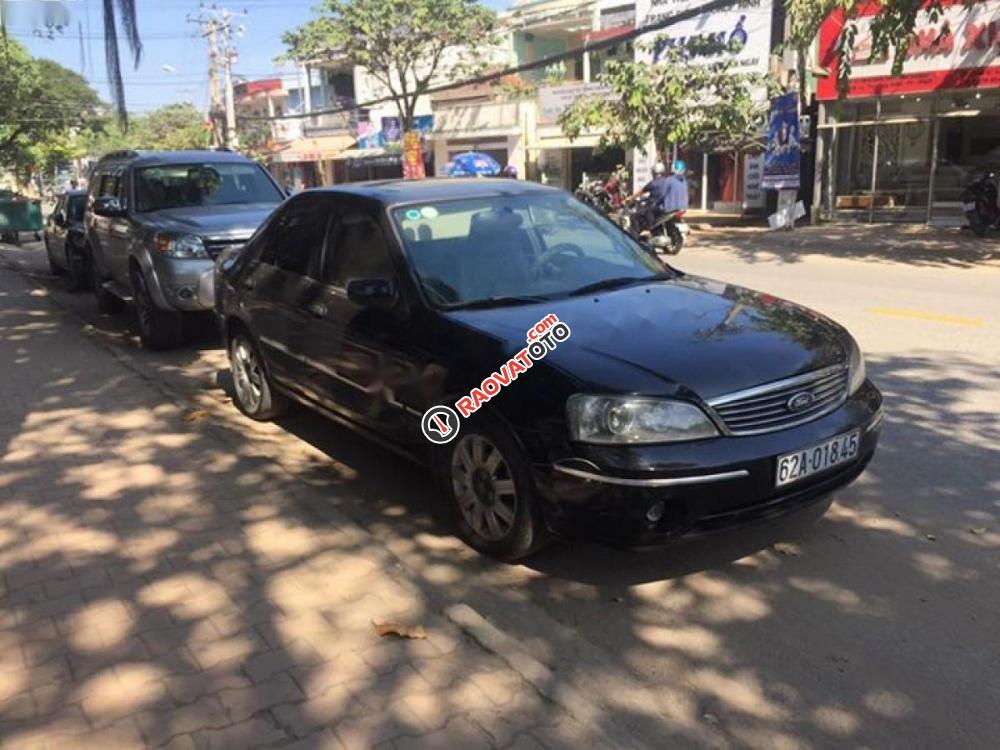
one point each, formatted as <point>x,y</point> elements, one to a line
<point>473,164</point>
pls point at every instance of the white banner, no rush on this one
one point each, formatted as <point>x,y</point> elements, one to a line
<point>554,100</point>
<point>741,33</point>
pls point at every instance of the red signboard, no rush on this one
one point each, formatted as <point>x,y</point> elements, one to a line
<point>413,156</point>
<point>960,49</point>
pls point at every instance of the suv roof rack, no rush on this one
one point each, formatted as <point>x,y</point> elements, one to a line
<point>129,153</point>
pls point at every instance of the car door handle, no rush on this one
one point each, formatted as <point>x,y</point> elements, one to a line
<point>318,309</point>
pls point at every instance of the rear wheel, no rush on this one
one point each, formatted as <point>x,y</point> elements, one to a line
<point>484,476</point>
<point>54,268</point>
<point>675,237</point>
<point>79,268</point>
<point>158,328</point>
<point>255,395</point>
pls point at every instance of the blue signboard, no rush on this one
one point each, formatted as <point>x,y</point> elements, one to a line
<point>782,155</point>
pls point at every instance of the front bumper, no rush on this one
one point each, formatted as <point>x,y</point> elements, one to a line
<point>605,492</point>
<point>178,284</point>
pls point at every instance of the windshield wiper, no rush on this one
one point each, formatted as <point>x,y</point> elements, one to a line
<point>499,301</point>
<point>615,282</point>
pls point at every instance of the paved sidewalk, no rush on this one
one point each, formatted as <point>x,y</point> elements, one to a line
<point>163,585</point>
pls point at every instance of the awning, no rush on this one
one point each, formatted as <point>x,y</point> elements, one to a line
<point>554,143</point>
<point>314,149</point>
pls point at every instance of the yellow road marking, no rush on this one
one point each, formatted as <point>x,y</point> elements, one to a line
<point>917,315</point>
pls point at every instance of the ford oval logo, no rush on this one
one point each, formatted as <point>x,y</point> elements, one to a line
<point>800,401</point>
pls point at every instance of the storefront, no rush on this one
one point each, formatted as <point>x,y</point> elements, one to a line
<point>904,147</point>
<point>308,162</point>
<point>495,128</point>
<point>723,181</point>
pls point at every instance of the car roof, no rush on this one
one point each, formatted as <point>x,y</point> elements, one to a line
<point>395,192</point>
<point>145,158</point>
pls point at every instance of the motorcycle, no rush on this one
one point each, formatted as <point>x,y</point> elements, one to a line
<point>979,202</point>
<point>667,233</point>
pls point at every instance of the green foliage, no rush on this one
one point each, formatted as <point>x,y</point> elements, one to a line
<point>44,110</point>
<point>169,128</point>
<point>400,43</point>
<point>671,102</point>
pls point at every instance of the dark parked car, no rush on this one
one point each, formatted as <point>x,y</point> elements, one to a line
<point>155,222</point>
<point>64,239</point>
<point>677,405</point>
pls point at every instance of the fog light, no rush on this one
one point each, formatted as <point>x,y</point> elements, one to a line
<point>185,293</point>
<point>656,511</point>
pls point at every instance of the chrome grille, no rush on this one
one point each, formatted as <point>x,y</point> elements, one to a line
<point>767,408</point>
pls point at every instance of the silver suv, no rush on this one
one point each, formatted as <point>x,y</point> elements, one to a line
<point>156,221</point>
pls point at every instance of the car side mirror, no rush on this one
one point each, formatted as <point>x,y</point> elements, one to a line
<point>59,219</point>
<point>108,206</point>
<point>370,291</point>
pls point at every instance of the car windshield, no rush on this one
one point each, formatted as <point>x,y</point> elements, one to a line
<point>75,205</point>
<point>517,248</point>
<point>186,185</point>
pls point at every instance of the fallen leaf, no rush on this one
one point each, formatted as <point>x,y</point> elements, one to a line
<point>399,630</point>
<point>786,549</point>
<point>930,538</point>
<point>195,416</point>
<point>978,530</point>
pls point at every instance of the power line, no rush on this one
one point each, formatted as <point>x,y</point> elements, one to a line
<point>543,62</point>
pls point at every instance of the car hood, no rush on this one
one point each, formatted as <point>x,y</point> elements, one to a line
<point>688,333</point>
<point>235,220</point>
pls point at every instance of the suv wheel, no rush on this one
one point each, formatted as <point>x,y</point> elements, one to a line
<point>255,395</point>
<point>106,301</point>
<point>158,328</point>
<point>79,270</point>
<point>54,269</point>
<point>484,474</point>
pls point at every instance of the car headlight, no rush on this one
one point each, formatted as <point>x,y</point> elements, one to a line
<point>628,419</point>
<point>856,372</point>
<point>181,245</point>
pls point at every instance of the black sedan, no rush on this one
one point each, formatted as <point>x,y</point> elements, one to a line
<point>64,242</point>
<point>555,375</point>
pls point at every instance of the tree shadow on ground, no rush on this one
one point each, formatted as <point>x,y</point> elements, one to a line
<point>911,244</point>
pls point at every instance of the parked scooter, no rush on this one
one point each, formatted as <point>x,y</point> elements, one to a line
<point>979,202</point>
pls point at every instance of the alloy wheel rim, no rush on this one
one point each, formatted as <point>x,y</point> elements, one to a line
<point>484,488</point>
<point>247,375</point>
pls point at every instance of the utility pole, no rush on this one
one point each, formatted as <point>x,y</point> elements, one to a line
<point>216,26</point>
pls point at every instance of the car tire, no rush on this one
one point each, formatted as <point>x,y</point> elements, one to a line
<point>54,268</point>
<point>78,268</point>
<point>486,484</point>
<point>159,329</point>
<point>106,301</point>
<point>253,391</point>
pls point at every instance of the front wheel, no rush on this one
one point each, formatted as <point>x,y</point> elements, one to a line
<point>484,476</point>
<point>159,329</point>
<point>976,224</point>
<point>255,395</point>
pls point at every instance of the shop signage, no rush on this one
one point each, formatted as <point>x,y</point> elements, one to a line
<point>741,34</point>
<point>554,100</point>
<point>958,50</point>
<point>753,193</point>
<point>782,155</point>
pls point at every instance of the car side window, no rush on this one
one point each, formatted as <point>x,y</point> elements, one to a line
<point>356,250</point>
<point>295,236</point>
<point>108,187</point>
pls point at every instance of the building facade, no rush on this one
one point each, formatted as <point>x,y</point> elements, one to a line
<point>903,147</point>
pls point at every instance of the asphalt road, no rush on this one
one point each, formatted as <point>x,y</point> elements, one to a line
<point>874,625</point>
